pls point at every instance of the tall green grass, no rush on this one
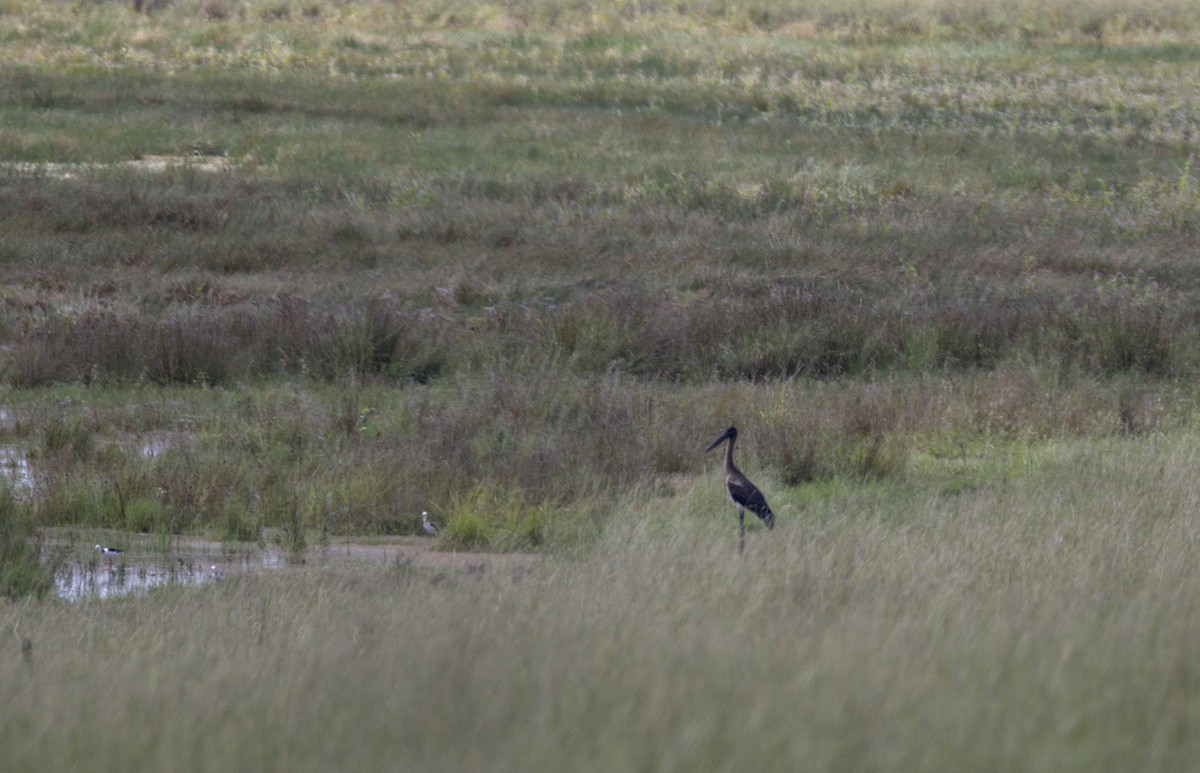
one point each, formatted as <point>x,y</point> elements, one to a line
<point>22,569</point>
<point>1045,622</point>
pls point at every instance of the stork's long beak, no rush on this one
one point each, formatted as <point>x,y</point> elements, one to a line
<point>718,441</point>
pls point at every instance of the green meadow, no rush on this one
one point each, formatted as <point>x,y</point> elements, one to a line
<point>291,272</point>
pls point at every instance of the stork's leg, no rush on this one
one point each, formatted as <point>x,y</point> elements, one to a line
<point>741,529</point>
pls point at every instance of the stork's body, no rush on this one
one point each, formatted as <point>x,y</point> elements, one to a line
<point>744,494</point>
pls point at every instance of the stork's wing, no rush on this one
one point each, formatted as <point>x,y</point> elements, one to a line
<point>746,494</point>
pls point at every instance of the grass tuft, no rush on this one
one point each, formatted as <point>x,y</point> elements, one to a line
<point>22,569</point>
<point>487,516</point>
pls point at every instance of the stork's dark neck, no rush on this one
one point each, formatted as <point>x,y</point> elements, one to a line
<point>730,467</point>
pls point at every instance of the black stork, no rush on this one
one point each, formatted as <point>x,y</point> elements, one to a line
<point>745,495</point>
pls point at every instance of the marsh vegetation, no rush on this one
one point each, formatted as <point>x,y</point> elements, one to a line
<point>310,268</point>
<point>1046,620</point>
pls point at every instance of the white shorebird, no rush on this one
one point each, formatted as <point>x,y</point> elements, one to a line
<point>216,574</point>
<point>109,553</point>
<point>429,528</point>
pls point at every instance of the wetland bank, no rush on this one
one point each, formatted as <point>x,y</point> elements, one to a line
<point>281,276</point>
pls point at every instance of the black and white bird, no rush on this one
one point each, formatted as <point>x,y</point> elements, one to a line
<point>429,528</point>
<point>745,495</point>
<point>109,553</point>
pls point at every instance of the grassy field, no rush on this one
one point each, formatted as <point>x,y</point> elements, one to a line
<point>310,268</point>
<point>353,261</point>
<point>1046,622</point>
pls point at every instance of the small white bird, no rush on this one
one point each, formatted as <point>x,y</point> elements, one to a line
<point>216,574</point>
<point>429,528</point>
<point>109,553</point>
